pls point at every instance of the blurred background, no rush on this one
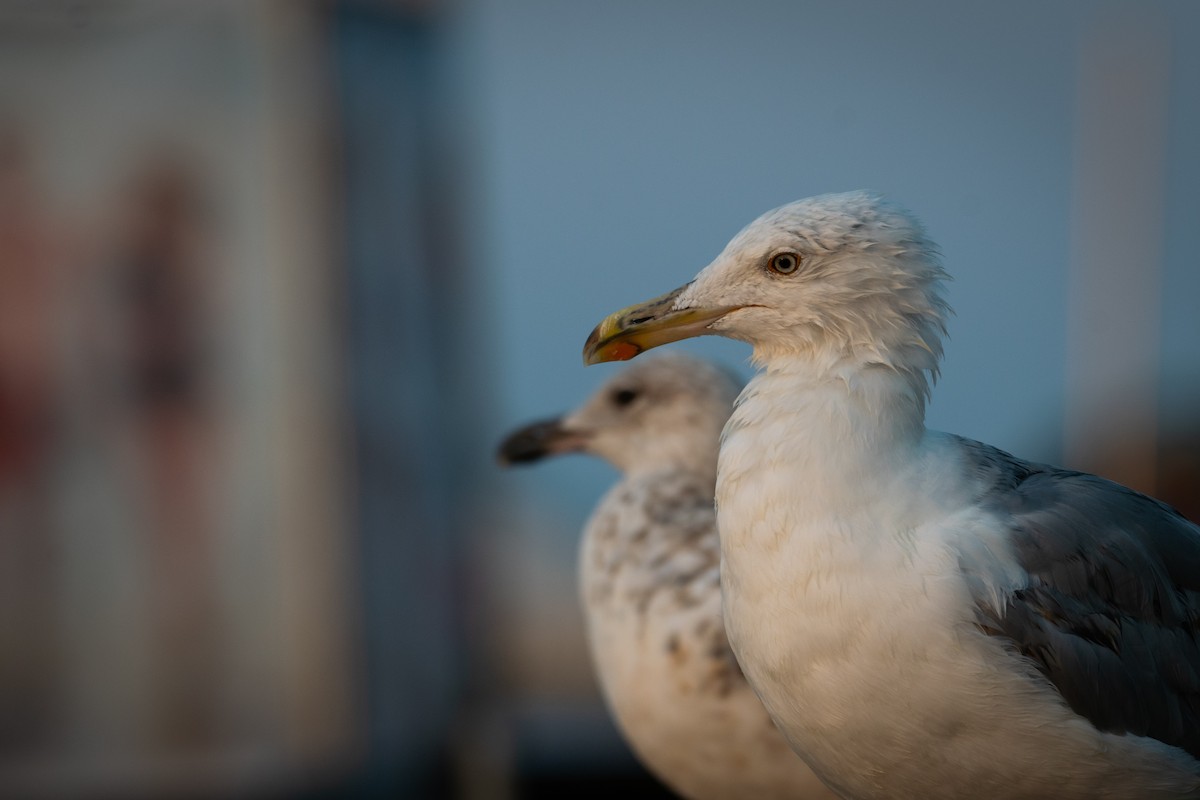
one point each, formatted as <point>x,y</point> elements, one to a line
<point>275,277</point>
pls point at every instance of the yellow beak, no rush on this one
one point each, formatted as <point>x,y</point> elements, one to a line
<point>630,331</point>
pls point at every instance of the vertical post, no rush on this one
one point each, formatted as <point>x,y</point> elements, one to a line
<point>1115,280</point>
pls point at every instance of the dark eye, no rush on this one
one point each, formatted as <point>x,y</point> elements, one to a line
<point>784,263</point>
<point>624,397</point>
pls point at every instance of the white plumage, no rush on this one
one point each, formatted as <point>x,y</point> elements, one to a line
<point>924,616</point>
<point>649,580</point>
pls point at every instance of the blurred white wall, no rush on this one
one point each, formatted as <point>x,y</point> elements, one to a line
<point>173,537</point>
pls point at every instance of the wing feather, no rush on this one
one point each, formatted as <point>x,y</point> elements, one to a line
<point>1111,611</point>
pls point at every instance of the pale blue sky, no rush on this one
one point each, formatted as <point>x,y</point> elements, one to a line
<point>620,144</point>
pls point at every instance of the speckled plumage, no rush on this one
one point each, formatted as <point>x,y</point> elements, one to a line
<point>922,615</point>
<point>649,582</point>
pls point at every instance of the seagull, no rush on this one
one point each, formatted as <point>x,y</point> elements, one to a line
<point>649,579</point>
<point>924,616</point>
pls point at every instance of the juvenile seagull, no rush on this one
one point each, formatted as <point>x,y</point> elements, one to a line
<point>924,616</point>
<point>649,580</point>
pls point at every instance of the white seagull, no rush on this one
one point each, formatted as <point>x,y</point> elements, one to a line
<point>924,616</point>
<point>649,579</point>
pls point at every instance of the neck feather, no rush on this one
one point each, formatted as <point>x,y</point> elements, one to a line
<point>894,390</point>
<point>690,452</point>
<point>839,409</point>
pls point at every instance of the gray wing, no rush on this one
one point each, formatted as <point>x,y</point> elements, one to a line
<point>1111,614</point>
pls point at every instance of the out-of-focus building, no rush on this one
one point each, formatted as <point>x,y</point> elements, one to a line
<point>177,554</point>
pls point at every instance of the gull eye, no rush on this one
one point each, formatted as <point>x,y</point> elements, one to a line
<point>624,397</point>
<point>784,263</point>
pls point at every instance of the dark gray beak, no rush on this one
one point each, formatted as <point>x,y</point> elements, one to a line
<point>538,440</point>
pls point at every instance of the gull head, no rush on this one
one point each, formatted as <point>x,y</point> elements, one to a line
<point>665,412</point>
<point>836,278</point>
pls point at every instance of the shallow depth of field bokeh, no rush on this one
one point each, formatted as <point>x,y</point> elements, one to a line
<point>275,278</point>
